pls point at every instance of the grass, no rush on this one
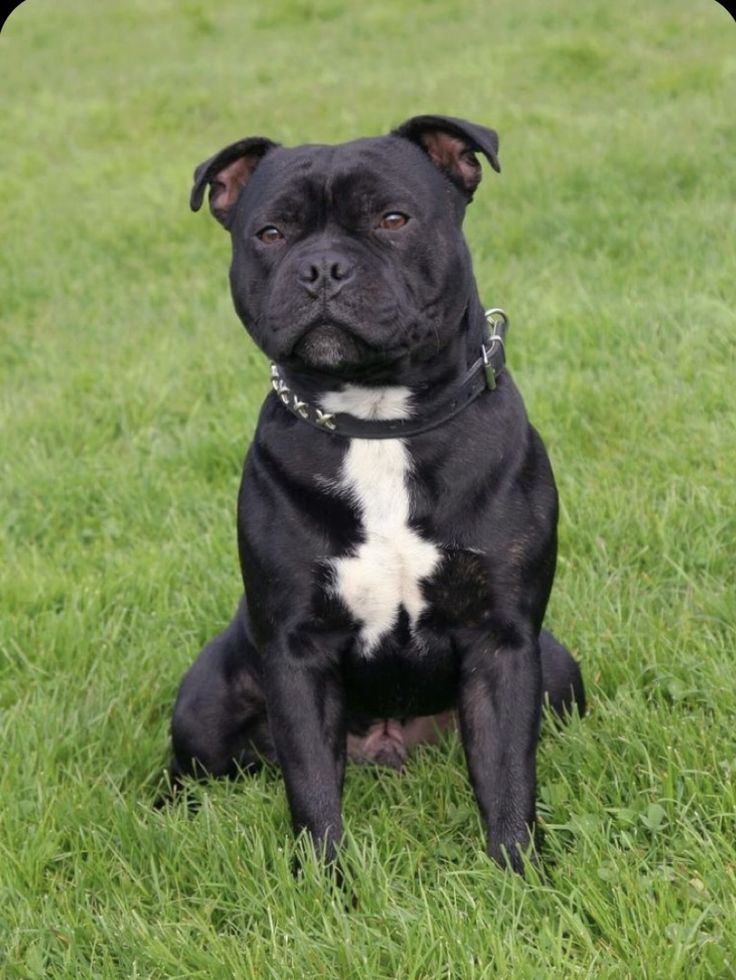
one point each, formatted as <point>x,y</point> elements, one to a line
<point>128,397</point>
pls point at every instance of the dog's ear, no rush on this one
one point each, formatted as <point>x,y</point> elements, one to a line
<point>227,173</point>
<point>451,145</point>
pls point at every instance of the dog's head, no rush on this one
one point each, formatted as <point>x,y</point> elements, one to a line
<point>350,258</point>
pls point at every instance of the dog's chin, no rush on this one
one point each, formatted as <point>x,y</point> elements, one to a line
<point>331,349</point>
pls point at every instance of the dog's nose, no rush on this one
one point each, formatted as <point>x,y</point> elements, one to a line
<point>327,271</point>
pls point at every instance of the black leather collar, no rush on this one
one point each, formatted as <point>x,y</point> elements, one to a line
<point>481,376</point>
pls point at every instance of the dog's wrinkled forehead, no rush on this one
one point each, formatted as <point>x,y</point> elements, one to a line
<point>371,173</point>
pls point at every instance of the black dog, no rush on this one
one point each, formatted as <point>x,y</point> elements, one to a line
<point>397,514</point>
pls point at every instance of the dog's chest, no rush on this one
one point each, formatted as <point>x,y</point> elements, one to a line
<point>380,580</point>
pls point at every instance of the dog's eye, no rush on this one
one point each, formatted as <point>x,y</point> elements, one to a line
<point>269,235</point>
<point>393,221</point>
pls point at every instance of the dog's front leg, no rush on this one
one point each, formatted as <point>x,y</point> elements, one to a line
<point>500,705</point>
<point>307,717</point>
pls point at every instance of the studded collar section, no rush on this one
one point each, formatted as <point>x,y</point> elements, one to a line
<point>480,377</point>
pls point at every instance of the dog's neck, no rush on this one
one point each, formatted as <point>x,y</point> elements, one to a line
<point>412,399</point>
<point>379,403</point>
<point>427,379</point>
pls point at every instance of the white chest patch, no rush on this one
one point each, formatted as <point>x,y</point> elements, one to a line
<point>385,571</point>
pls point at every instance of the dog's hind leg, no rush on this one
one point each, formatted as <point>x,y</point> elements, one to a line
<point>220,725</point>
<point>562,680</point>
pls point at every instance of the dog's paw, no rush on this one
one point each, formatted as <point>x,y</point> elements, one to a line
<point>515,852</point>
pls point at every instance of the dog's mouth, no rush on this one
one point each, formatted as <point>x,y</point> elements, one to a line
<point>332,348</point>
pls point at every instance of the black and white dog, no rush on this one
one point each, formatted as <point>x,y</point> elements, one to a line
<point>397,513</point>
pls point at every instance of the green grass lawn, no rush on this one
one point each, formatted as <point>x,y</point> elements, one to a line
<point>129,393</point>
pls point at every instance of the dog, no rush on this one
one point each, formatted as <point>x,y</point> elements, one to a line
<point>397,513</point>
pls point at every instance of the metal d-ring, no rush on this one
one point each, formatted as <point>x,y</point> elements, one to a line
<point>498,324</point>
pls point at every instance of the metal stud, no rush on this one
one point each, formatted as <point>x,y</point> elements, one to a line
<point>301,408</point>
<point>326,420</point>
